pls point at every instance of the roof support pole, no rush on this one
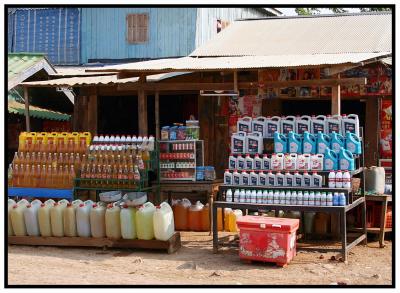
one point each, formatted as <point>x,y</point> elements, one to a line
<point>142,107</point>
<point>335,107</point>
<point>157,113</point>
<point>235,81</point>
<point>27,118</point>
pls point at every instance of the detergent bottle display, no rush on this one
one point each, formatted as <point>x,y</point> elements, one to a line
<point>353,143</point>
<point>44,218</point>
<point>272,125</point>
<point>303,124</point>
<point>238,142</point>
<point>254,143</point>
<point>337,141</point>
<point>288,124</point>
<point>259,125</point>
<point>144,221</point>
<point>244,124</point>
<point>346,160</point>
<point>323,142</point>
<point>333,124</point>
<point>309,143</point>
<point>318,124</point>
<point>351,123</point>
<point>294,142</point>
<point>280,143</point>
<point>163,219</point>
<point>330,160</point>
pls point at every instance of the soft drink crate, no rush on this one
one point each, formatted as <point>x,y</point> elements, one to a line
<point>267,239</point>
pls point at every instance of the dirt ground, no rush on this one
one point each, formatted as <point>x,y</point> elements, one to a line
<point>194,263</point>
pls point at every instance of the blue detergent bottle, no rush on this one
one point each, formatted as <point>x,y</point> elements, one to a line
<point>353,143</point>
<point>346,160</point>
<point>330,160</point>
<point>309,143</point>
<point>294,141</point>
<point>280,143</point>
<point>337,141</point>
<point>323,142</point>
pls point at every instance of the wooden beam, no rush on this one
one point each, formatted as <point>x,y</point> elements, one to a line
<point>235,81</point>
<point>335,106</point>
<point>27,118</point>
<point>157,113</point>
<point>142,107</point>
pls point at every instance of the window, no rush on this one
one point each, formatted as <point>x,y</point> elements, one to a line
<point>137,28</point>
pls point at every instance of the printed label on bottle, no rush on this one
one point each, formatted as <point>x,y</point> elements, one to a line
<point>258,127</point>
<point>253,146</point>
<point>318,127</point>
<point>266,165</point>
<point>321,148</point>
<point>243,127</point>
<point>316,182</point>
<point>271,128</point>
<point>289,181</point>
<point>349,127</point>
<point>307,147</point>
<point>278,147</point>
<point>228,180</point>
<point>280,181</point>
<point>307,181</point>
<point>253,181</point>
<point>328,164</point>
<point>238,145</point>
<point>293,147</point>
<point>232,164</point>
<point>298,181</point>
<point>333,127</point>
<point>351,147</point>
<point>301,128</point>
<point>236,180</point>
<point>262,180</point>
<point>344,164</point>
<point>245,181</point>
<point>287,128</point>
<point>249,165</point>
<point>258,165</point>
<point>271,181</point>
<point>241,164</point>
<point>336,147</point>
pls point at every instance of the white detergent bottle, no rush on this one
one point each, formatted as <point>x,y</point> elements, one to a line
<point>259,198</point>
<point>350,123</point>
<point>334,123</point>
<point>232,162</point>
<point>288,179</point>
<point>254,178</point>
<point>311,199</point>
<point>272,125</point>
<point>282,197</point>
<point>271,179</point>
<point>238,142</point>
<point>266,162</point>
<point>241,162</point>
<point>323,199</point>
<point>245,179</point>
<point>262,178</point>
<point>339,179</point>
<point>306,198</point>
<point>277,161</point>
<point>279,178</point>
<point>253,197</point>
<point>290,161</point>
<point>228,177</point>
<point>270,198</point>
<point>259,125</point>
<point>329,199</point>
<point>303,161</point>
<point>249,161</point>
<point>287,197</point>
<point>318,124</point>
<point>236,195</point>
<point>293,198</point>
<point>332,179</point>
<point>248,196</point>
<point>346,179</point>
<point>258,162</point>
<point>254,143</point>
<point>299,200</point>
<point>242,196</point>
<point>229,195</point>
<point>316,179</point>
<point>303,124</point>
<point>244,124</point>
<point>265,197</point>
<point>236,178</point>
<point>297,179</point>
<point>276,197</point>
<point>317,162</point>
<point>318,198</point>
<point>288,124</point>
<point>306,180</point>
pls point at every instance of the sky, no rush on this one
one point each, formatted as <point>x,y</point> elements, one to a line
<point>290,11</point>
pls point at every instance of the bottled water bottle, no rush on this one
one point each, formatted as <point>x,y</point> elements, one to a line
<point>323,199</point>
<point>300,198</point>
<point>311,199</point>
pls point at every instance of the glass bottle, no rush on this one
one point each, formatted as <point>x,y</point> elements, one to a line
<point>16,159</point>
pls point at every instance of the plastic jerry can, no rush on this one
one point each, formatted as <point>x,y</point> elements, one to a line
<point>303,124</point>
<point>290,162</point>
<point>353,143</point>
<point>17,218</point>
<point>236,178</point>
<point>280,143</point>
<point>262,178</point>
<point>70,218</point>
<point>277,161</point>
<point>238,142</point>
<point>180,208</point>
<point>330,160</point>
<point>317,162</point>
<point>31,218</point>
<point>245,178</point>
<point>232,162</point>
<point>272,125</point>
<point>248,162</point>
<point>303,162</point>
<point>318,124</point>
<point>244,124</point>
<point>334,124</point>
<point>294,142</point>
<point>323,142</point>
<point>254,143</point>
<point>241,162</point>
<point>163,220</point>
<point>259,125</point>
<point>97,221</point>
<point>232,218</point>
<point>306,180</point>
<point>228,177</point>
<point>266,163</point>
<point>374,179</point>
<point>127,219</point>
<point>57,218</point>
<point>288,124</point>
<point>253,178</point>
<point>297,179</point>
<point>194,217</point>
<point>316,180</point>
<point>271,179</point>
<point>337,142</point>
<point>113,221</point>
<point>332,179</point>
<point>339,179</point>
<point>258,162</point>
<point>144,221</point>
<point>44,218</point>
<point>205,218</point>
<point>227,212</point>
<point>11,204</point>
<point>288,179</point>
<point>309,143</point>
<point>350,123</point>
<point>83,219</point>
<point>267,239</point>
<point>346,160</point>
<point>279,178</point>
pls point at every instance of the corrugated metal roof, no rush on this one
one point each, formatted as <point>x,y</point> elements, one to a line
<point>360,33</point>
<point>76,71</point>
<point>387,60</point>
<point>23,65</point>
<point>243,62</point>
<point>15,107</point>
<point>99,80</point>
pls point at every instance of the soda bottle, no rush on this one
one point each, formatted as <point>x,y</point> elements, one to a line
<point>131,183</point>
<point>16,159</point>
<point>104,176</point>
<point>77,162</point>
<point>136,176</point>
<point>109,176</point>
<point>27,158</point>
<point>10,176</point>
<point>21,158</point>
<point>50,159</point>
<point>125,176</point>
<point>93,181</point>
<point>33,158</point>
<point>39,158</point>
<point>38,173</point>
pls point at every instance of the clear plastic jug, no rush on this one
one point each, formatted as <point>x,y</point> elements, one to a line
<point>375,179</point>
<point>128,222</point>
<point>70,218</point>
<point>17,217</point>
<point>31,218</point>
<point>44,218</point>
<point>98,221</point>
<point>144,221</point>
<point>57,218</point>
<point>163,220</point>
<point>11,204</point>
<point>83,219</point>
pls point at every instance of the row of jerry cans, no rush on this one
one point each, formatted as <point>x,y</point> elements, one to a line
<point>89,219</point>
<point>316,144</point>
<point>300,124</point>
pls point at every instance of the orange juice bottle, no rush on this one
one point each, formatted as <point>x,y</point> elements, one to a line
<point>49,177</point>
<point>27,158</point>
<point>65,177</point>
<point>33,158</point>
<point>33,178</point>
<point>77,162</point>
<point>54,177</point>
<point>38,176</point>
<point>15,176</point>
<point>93,176</point>
<point>43,176</point>
<point>28,176</point>
<point>71,177</point>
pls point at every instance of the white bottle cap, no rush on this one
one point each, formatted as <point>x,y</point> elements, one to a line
<point>117,139</point>
<point>112,138</point>
<point>101,138</point>
<point>140,139</point>
<point>123,138</point>
<point>134,138</point>
<point>107,139</point>
<point>95,138</point>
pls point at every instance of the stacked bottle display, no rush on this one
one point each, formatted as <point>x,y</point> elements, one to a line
<point>282,197</point>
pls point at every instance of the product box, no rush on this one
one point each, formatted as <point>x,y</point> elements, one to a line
<point>267,239</point>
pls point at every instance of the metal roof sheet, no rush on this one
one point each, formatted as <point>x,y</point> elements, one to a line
<point>359,33</point>
<point>76,71</point>
<point>243,62</point>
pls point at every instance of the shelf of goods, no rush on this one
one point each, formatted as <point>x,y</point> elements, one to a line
<point>124,166</point>
<point>180,158</point>
<point>46,164</point>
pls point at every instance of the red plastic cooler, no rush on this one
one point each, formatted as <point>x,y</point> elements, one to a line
<point>267,239</point>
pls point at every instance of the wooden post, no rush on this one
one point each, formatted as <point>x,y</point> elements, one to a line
<point>92,112</point>
<point>27,118</point>
<point>142,108</point>
<point>157,113</point>
<point>335,107</point>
